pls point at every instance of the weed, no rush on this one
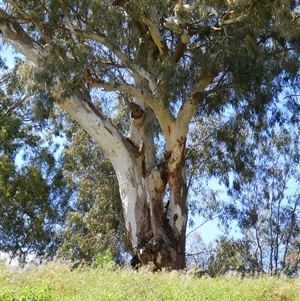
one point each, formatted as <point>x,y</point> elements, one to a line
<point>42,293</point>
<point>56,281</point>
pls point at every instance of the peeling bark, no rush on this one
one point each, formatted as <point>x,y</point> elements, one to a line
<point>157,236</point>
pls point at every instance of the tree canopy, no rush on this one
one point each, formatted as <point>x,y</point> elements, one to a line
<point>33,193</point>
<point>224,63</point>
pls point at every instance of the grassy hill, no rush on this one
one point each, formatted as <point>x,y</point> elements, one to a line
<point>55,281</point>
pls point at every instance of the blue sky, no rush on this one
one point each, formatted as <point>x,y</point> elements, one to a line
<point>209,231</point>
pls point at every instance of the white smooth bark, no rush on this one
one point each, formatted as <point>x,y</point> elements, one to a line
<point>82,110</point>
<point>141,182</point>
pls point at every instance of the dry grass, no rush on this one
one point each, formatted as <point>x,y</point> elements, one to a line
<point>55,281</point>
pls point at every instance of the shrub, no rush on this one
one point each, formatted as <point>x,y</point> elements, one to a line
<point>105,260</point>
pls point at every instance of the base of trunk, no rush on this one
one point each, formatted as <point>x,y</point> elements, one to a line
<point>160,254</point>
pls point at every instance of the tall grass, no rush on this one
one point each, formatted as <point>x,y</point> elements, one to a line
<point>56,281</point>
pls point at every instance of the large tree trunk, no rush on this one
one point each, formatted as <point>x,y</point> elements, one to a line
<point>157,235</point>
<point>156,228</point>
<point>157,232</point>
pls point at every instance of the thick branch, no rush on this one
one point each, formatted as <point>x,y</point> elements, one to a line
<point>177,55</point>
<point>14,34</point>
<point>203,82</point>
<point>187,112</point>
<point>77,106</point>
<point>115,86</point>
<point>97,125</point>
<point>157,38</point>
<point>223,22</point>
<point>189,108</point>
<point>125,60</point>
<point>129,89</point>
<point>163,114</point>
<point>102,39</point>
<point>26,16</point>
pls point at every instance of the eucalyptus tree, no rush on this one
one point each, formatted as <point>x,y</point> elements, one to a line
<point>34,196</point>
<point>95,224</point>
<point>168,61</point>
<point>266,206</point>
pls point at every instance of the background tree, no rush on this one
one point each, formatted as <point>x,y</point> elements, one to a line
<point>225,255</point>
<point>233,256</point>
<point>34,196</point>
<point>170,61</point>
<point>204,202</point>
<point>95,223</point>
<point>265,196</point>
<point>37,200</point>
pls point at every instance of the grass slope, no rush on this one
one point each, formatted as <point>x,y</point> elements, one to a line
<point>55,281</point>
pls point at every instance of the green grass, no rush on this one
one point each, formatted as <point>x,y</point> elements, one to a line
<point>56,281</point>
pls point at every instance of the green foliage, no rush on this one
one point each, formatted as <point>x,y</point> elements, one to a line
<point>95,226</point>
<point>33,195</point>
<point>226,256</point>
<point>254,60</point>
<point>249,53</point>
<point>105,260</point>
<point>232,256</point>
<point>97,284</point>
<point>27,294</point>
<point>263,201</point>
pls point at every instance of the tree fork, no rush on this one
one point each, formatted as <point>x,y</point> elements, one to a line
<point>161,239</point>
